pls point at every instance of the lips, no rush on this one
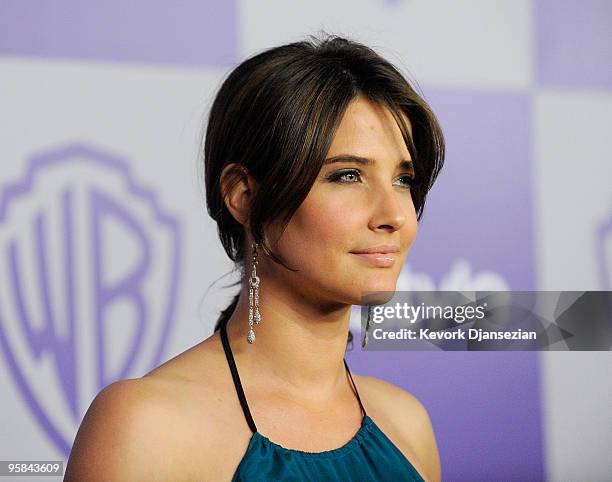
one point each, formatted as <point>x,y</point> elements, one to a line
<point>381,248</point>
<point>379,260</point>
<point>381,256</point>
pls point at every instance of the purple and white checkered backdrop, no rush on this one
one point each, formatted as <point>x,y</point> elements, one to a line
<point>102,104</point>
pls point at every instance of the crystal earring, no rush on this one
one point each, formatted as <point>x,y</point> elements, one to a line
<point>254,315</point>
<point>364,341</point>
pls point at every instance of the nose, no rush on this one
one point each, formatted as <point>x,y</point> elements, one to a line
<point>389,209</point>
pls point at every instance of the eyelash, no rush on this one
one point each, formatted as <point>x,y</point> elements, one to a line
<point>336,176</point>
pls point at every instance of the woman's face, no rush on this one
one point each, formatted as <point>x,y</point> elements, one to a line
<point>351,207</point>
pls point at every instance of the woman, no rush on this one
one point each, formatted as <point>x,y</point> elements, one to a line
<point>318,157</point>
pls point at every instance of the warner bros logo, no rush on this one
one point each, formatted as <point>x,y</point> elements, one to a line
<point>89,269</point>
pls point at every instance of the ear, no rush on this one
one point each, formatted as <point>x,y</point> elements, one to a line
<point>238,189</point>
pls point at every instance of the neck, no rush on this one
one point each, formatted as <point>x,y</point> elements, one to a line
<point>299,345</point>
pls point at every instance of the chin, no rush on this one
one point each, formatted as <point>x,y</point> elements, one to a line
<point>386,289</point>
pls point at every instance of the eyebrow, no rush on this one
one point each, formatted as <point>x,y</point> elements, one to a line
<point>366,161</point>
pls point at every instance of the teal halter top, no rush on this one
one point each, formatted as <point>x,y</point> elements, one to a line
<point>368,456</point>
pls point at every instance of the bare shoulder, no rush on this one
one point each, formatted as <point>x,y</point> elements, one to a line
<point>390,396</point>
<point>123,435</point>
<point>404,417</point>
<point>152,428</point>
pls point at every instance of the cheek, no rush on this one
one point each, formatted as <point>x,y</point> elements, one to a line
<point>331,226</point>
<point>326,227</point>
<point>411,226</point>
<point>318,235</point>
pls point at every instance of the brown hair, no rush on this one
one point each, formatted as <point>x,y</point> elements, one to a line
<point>276,115</point>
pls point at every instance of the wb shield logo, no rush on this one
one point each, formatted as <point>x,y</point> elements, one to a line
<point>89,266</point>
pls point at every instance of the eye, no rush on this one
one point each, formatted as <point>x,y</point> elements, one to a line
<point>409,180</point>
<point>339,175</point>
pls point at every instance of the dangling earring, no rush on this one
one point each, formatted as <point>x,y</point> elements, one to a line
<point>364,341</point>
<point>254,315</point>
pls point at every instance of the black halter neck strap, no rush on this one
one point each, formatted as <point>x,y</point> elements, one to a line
<point>236,377</point>
<point>239,390</point>
<point>354,388</point>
